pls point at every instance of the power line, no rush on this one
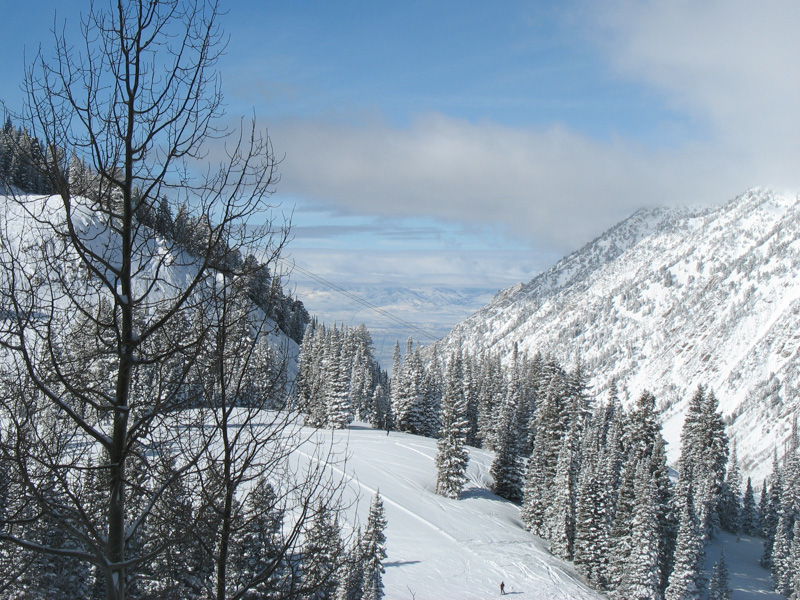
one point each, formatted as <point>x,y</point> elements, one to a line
<point>365,303</point>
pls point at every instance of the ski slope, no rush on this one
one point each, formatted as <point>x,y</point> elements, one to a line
<point>441,548</point>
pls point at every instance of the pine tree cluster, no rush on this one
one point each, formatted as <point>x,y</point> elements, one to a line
<point>780,519</point>
<point>591,477</point>
<point>22,160</point>
<point>339,380</point>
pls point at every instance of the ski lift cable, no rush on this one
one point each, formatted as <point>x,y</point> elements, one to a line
<point>365,303</point>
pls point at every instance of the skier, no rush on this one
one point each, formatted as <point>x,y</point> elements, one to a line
<point>502,588</point>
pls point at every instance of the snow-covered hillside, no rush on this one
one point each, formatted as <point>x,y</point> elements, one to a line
<point>162,270</point>
<point>441,548</point>
<point>667,300</point>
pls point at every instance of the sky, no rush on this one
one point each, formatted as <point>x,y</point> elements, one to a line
<point>471,144</point>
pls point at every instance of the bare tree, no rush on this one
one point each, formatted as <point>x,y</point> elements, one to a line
<point>106,327</point>
<point>250,468</point>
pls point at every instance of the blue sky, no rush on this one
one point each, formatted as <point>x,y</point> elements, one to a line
<point>473,143</point>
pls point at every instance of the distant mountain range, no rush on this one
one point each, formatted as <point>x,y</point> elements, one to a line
<point>424,313</point>
<point>669,299</point>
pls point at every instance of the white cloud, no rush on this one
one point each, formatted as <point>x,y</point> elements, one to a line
<point>728,66</point>
<point>554,186</point>
<point>731,64</point>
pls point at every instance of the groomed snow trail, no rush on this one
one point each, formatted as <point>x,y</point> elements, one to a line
<point>442,548</point>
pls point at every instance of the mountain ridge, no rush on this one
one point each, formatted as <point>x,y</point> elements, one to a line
<point>669,299</point>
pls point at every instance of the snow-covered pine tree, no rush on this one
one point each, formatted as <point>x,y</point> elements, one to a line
<point>506,467</point>
<point>770,515</point>
<point>173,573</point>
<point>309,388</point>
<point>763,509</point>
<point>551,422</point>
<point>719,586</point>
<point>591,523</point>
<point>643,447</point>
<point>452,455</point>
<point>336,367</point>
<point>640,580</point>
<point>534,496</point>
<point>749,514</point>
<point>559,515</point>
<point>431,392</point>
<point>408,400</point>
<point>667,519</point>
<point>704,452</point>
<point>360,384</point>
<point>685,581</point>
<point>322,556</point>
<point>730,501</point>
<point>780,565</point>
<point>374,550</point>
<point>794,561</point>
<point>470,389</point>
<point>352,578</point>
<point>599,480</point>
<point>257,558</point>
<point>489,400</point>
<point>716,459</point>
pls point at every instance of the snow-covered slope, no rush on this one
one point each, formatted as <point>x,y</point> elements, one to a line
<point>667,300</point>
<point>442,548</point>
<point>25,222</point>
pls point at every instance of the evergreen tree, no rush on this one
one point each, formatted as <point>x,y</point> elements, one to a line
<point>534,496</point>
<point>770,516</point>
<point>703,457</point>
<point>730,501</point>
<point>335,366</point>
<point>322,556</point>
<point>408,394</point>
<point>352,579</point>
<point>591,520</point>
<point>643,452</point>
<point>374,550</point>
<point>380,415</point>
<point>718,587</point>
<point>780,558</point>
<point>489,400</point>
<point>506,469</point>
<point>172,573</point>
<point>560,512</point>
<point>685,581</point>
<point>640,579</point>
<point>763,509</point>
<point>452,454</point>
<point>794,561</point>
<point>750,520</point>
<point>258,561</point>
<point>431,394</point>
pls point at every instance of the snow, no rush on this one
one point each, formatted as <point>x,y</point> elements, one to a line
<point>464,548</point>
<point>747,578</point>
<point>726,317</point>
<point>439,547</point>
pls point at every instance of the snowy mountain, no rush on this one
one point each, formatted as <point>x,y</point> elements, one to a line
<point>669,299</point>
<point>163,269</point>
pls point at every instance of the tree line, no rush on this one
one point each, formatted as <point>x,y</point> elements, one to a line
<point>590,476</point>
